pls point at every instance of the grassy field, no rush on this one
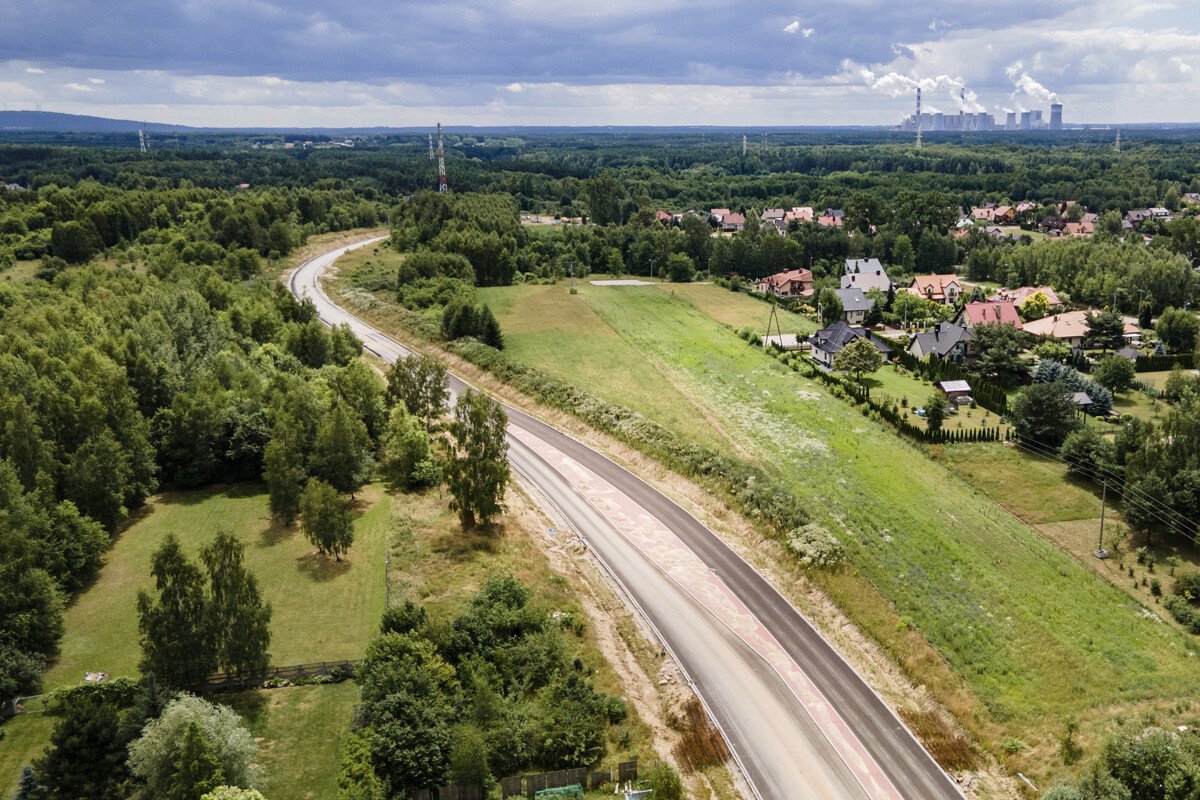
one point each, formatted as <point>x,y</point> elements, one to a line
<point>301,732</point>
<point>736,309</point>
<point>890,382</point>
<point>322,610</point>
<point>1022,624</point>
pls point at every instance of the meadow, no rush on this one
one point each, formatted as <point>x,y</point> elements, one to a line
<point>1024,625</point>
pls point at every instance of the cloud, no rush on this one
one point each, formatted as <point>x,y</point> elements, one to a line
<point>96,81</point>
<point>35,71</point>
<point>793,27</point>
<point>78,87</point>
<point>1024,84</point>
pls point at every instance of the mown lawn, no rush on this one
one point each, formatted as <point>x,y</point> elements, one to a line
<point>323,610</point>
<point>736,309</point>
<point>302,730</point>
<point>25,737</point>
<point>1025,626</point>
<point>891,383</point>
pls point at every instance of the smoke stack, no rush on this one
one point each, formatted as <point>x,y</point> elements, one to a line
<point>1026,120</point>
<point>1010,121</point>
<point>918,105</point>
<point>1056,116</point>
<point>962,100</point>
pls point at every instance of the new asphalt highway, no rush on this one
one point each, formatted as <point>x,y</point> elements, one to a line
<point>800,721</point>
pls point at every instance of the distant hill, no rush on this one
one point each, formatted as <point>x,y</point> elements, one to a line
<point>53,122</point>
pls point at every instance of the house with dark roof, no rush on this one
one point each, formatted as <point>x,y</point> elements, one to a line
<point>944,340</point>
<point>828,342</point>
<point>855,305</point>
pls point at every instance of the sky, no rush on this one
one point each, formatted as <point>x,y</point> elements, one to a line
<point>612,62</point>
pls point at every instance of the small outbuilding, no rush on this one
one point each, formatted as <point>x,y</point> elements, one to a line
<point>954,390</point>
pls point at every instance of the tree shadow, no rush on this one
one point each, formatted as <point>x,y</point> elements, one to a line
<point>191,497</point>
<point>321,567</point>
<point>251,705</point>
<point>277,533</point>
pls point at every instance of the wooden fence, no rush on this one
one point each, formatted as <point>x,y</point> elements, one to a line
<point>528,785</point>
<point>225,681</point>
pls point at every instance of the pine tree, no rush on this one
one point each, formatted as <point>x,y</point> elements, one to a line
<point>197,771</point>
<point>86,758</point>
<point>240,619</point>
<point>489,329</point>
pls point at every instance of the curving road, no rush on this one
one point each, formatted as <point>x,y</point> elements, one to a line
<point>800,721</point>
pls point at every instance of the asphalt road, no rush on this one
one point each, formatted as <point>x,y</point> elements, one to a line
<point>800,721</point>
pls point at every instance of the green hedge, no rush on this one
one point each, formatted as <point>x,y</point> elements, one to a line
<point>1164,363</point>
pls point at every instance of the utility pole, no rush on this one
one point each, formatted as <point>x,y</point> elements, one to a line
<point>1101,553</point>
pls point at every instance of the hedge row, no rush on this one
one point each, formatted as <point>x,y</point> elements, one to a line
<point>1164,362</point>
<point>746,486</point>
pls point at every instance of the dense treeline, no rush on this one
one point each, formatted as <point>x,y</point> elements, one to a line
<point>498,689</point>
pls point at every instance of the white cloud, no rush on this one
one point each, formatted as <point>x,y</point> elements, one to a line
<point>35,71</point>
<point>78,87</point>
<point>794,27</point>
<point>96,81</point>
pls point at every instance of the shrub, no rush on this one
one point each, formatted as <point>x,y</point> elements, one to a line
<point>816,546</point>
<point>1188,587</point>
<point>1183,612</point>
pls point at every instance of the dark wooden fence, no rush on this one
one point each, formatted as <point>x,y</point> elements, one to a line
<point>225,681</point>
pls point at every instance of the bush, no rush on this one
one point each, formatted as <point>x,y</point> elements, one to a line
<point>816,546</point>
<point>1188,587</point>
<point>664,782</point>
<point>1183,612</point>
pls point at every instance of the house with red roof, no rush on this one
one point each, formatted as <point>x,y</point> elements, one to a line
<point>792,284</point>
<point>944,289</point>
<point>989,313</point>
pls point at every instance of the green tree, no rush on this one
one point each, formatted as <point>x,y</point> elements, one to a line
<point>197,771</point>
<point>614,262</point>
<point>477,472</point>
<point>284,471</point>
<point>1044,414</point>
<point>20,672</point>
<point>998,348</point>
<point>1087,453</point>
<point>97,479</point>
<point>935,411</point>
<point>238,793</point>
<point>680,268</point>
<point>1036,306</point>
<point>1177,329</point>
<point>240,619</point>
<point>341,455</point>
<point>859,358</point>
<point>468,765</point>
<point>664,782</point>
<point>357,779</point>
<point>155,755</point>
<point>1153,765</point>
<point>1106,330</point>
<point>86,757</point>
<point>830,306</point>
<point>408,458</point>
<point>489,329</point>
<point>604,197</point>
<point>74,242</point>
<point>419,383</point>
<point>325,519</point>
<point>178,643</point>
<point>1115,373</point>
<point>697,240</point>
<point>904,255</point>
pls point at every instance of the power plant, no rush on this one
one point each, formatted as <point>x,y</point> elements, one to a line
<point>969,121</point>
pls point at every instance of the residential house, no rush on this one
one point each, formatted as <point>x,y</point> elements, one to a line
<point>865,274</point>
<point>855,305</point>
<point>1079,230</point>
<point>984,213</point>
<point>1004,215</point>
<point>777,225</point>
<point>664,217</point>
<point>945,340</point>
<point>1159,213</point>
<point>989,313</point>
<point>828,342</point>
<point>1136,216</point>
<point>1070,327</point>
<point>799,214</point>
<point>831,218</point>
<point>769,214</point>
<point>1023,208</point>
<point>1019,295</point>
<point>727,221</point>
<point>1191,198</point>
<point>792,284</point>
<point>944,289</point>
